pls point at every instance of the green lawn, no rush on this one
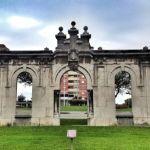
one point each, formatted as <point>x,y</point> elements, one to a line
<point>88,138</point>
<point>73,108</point>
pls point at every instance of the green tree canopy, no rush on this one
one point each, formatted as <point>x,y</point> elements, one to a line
<point>122,83</point>
<point>21,98</point>
<point>25,77</point>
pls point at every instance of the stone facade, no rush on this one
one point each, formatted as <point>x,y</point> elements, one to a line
<point>75,53</point>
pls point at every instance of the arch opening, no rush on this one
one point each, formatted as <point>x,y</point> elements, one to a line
<point>73,90</point>
<point>74,99</point>
<point>123,98</point>
<point>24,95</point>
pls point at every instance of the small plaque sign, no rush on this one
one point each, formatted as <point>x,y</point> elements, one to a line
<point>71,134</point>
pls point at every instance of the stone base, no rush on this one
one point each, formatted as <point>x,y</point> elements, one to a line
<point>7,122</point>
<point>22,121</point>
<point>45,121</point>
<point>102,122</point>
<point>32,121</point>
<point>141,120</point>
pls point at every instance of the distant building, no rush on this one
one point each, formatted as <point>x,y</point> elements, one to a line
<point>73,86</point>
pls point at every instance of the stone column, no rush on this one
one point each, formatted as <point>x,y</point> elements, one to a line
<point>104,103</point>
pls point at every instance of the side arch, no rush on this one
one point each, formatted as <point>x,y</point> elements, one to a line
<point>114,71</point>
<point>32,72</point>
<point>64,69</point>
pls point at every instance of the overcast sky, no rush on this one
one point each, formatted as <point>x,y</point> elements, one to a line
<point>114,24</point>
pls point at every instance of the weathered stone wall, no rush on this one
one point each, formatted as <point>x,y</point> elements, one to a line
<point>75,53</point>
<point>104,111</point>
<point>42,91</point>
<point>100,77</point>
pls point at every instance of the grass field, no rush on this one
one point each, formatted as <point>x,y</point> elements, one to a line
<point>73,108</point>
<point>84,108</point>
<point>88,138</point>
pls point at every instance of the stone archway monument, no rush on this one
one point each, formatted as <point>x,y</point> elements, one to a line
<point>72,47</point>
<point>74,54</point>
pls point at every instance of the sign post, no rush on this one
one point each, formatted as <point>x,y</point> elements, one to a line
<point>71,134</point>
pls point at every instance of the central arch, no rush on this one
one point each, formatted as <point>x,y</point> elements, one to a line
<point>88,109</point>
<point>81,69</point>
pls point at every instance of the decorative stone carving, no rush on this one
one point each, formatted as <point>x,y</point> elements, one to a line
<point>46,49</point>
<point>74,41</point>
<point>145,48</point>
<point>73,59</point>
<point>61,37</point>
<point>3,48</point>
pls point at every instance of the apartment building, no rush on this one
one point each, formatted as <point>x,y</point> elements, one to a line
<point>73,86</point>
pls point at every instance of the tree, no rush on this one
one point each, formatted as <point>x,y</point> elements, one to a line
<point>25,77</point>
<point>21,98</point>
<point>122,83</point>
<point>128,102</point>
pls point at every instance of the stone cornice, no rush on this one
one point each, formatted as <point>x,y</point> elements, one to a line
<point>36,54</point>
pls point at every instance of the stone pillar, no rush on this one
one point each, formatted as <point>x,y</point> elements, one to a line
<point>139,96</point>
<point>104,103</point>
<point>147,83</point>
<point>141,99</point>
<point>7,99</point>
<point>43,102</point>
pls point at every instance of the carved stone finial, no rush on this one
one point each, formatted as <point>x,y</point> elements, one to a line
<point>73,31</point>
<point>46,49</point>
<point>73,23</point>
<point>60,29</point>
<point>100,48</point>
<point>145,48</point>
<point>85,28</point>
<point>85,37</point>
<point>3,48</point>
<point>85,34</point>
<point>61,37</point>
